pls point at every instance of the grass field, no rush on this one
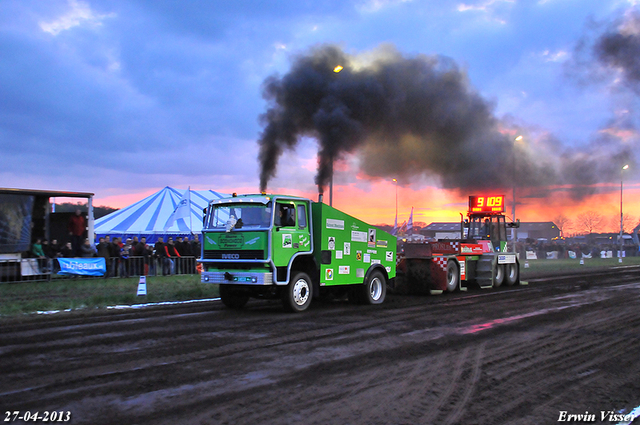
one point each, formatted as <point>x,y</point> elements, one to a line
<point>570,265</point>
<point>62,294</point>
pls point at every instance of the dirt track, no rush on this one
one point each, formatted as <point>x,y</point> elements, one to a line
<point>507,356</point>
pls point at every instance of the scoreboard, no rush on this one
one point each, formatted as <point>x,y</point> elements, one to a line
<point>486,204</point>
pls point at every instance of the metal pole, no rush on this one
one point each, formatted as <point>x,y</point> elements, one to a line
<point>621,225</point>
<point>621,221</point>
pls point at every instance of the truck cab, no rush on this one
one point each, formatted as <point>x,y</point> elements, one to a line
<point>278,246</point>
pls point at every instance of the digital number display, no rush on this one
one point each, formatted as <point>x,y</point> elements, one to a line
<point>490,204</point>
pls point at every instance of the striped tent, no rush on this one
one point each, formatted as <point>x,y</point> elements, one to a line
<point>150,216</point>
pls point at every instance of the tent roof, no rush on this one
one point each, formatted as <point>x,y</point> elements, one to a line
<point>150,215</point>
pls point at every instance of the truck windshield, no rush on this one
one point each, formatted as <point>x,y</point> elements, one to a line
<point>247,216</point>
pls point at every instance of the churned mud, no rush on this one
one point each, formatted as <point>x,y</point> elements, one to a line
<point>521,355</point>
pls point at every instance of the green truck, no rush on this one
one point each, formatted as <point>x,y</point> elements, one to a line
<point>294,249</point>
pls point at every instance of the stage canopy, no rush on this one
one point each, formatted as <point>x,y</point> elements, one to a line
<point>152,216</point>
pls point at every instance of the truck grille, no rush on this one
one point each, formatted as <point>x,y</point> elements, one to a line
<point>253,254</point>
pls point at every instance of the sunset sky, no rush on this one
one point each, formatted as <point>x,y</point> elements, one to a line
<point>124,97</point>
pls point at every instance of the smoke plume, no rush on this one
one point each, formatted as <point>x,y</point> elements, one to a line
<point>405,116</point>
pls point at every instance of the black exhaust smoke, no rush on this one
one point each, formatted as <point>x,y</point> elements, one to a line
<point>404,117</point>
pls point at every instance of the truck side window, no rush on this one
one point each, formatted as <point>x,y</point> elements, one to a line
<point>285,216</point>
<point>302,217</point>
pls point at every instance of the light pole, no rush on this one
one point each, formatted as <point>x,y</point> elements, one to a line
<point>396,222</point>
<point>621,223</point>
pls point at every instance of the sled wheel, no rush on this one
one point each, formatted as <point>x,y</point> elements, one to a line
<point>497,282</point>
<point>453,276</point>
<point>513,273</point>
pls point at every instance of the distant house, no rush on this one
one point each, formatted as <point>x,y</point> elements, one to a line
<point>534,230</point>
<point>538,230</point>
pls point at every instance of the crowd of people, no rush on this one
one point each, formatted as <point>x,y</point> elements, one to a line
<point>126,257</point>
<point>565,249</point>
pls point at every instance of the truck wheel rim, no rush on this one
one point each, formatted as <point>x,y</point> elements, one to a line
<point>376,289</point>
<point>300,292</point>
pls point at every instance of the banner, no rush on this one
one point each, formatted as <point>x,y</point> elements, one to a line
<point>83,266</point>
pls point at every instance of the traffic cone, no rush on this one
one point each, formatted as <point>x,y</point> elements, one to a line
<point>142,286</point>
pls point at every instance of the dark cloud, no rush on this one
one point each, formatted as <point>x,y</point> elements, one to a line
<point>406,116</point>
<point>618,48</point>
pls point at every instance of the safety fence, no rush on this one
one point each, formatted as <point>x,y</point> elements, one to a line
<point>46,269</point>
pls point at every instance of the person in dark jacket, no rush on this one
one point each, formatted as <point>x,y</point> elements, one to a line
<point>162,256</point>
<point>104,252</point>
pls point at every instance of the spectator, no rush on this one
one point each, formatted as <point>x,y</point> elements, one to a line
<point>195,246</point>
<point>162,256</point>
<point>174,256</point>
<point>36,249</point>
<point>67,250</point>
<point>104,252</point>
<point>189,262</point>
<point>140,260</point>
<point>114,253</point>
<point>86,250</point>
<point>125,253</point>
<point>54,248</point>
<point>77,226</point>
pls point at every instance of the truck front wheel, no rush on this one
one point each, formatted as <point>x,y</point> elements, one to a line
<point>233,298</point>
<point>375,288</point>
<point>298,293</point>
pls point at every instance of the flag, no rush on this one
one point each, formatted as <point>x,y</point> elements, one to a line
<point>410,222</point>
<point>182,210</point>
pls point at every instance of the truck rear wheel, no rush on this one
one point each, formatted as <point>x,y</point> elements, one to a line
<point>497,282</point>
<point>513,273</point>
<point>453,276</point>
<point>374,289</point>
<point>298,293</point>
<point>232,297</point>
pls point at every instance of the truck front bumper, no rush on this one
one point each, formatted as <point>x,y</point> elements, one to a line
<point>241,278</point>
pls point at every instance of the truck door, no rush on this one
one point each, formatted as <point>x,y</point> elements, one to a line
<point>291,231</point>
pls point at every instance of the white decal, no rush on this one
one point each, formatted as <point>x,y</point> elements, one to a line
<point>287,240</point>
<point>389,256</point>
<point>347,248</point>
<point>367,258</point>
<point>338,255</point>
<point>335,224</point>
<point>332,243</point>
<point>359,272</point>
<point>375,261</point>
<point>358,236</point>
<point>344,270</point>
